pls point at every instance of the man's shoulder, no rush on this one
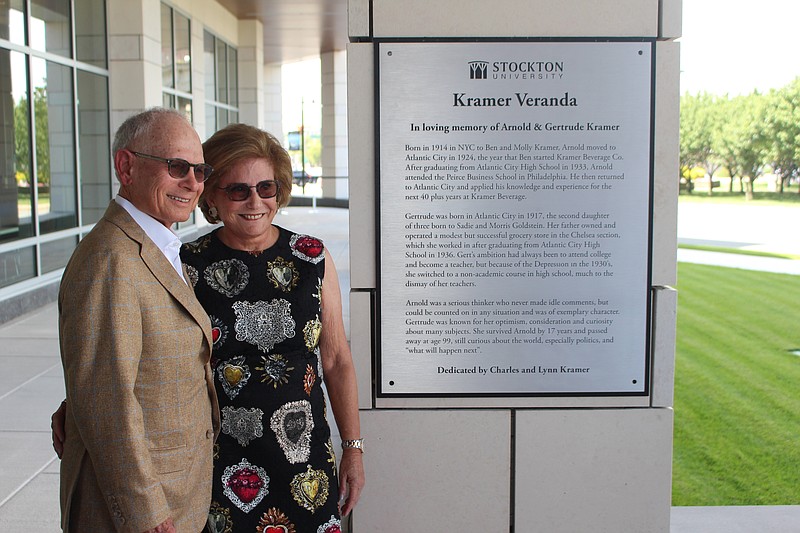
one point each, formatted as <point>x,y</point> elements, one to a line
<point>106,237</point>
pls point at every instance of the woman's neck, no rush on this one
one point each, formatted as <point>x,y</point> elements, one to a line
<point>255,244</point>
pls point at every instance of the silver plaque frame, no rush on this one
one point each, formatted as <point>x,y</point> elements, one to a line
<point>514,211</point>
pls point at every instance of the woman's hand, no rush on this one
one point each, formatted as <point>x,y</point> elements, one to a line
<point>351,479</point>
<point>57,427</point>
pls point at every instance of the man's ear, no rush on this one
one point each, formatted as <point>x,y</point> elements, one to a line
<point>123,163</point>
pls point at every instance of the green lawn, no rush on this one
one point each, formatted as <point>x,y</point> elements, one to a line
<point>761,196</point>
<point>737,388</point>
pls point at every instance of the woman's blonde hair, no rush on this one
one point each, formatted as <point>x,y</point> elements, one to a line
<point>237,142</point>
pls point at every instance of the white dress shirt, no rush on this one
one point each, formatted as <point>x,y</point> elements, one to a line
<point>164,238</point>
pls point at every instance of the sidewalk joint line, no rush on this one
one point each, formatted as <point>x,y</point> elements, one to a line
<point>37,376</point>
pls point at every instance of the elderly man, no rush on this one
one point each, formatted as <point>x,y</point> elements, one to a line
<point>135,345</point>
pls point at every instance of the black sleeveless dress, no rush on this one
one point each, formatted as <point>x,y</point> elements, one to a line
<point>274,465</point>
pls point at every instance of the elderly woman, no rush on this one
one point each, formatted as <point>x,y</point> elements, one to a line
<point>276,314</point>
<point>275,308</point>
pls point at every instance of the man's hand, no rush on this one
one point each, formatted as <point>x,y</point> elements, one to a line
<point>57,426</point>
<point>164,527</point>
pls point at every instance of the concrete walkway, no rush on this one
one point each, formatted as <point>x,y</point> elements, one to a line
<point>31,387</point>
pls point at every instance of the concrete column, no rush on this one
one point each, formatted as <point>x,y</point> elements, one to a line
<point>334,125</point>
<point>273,105</point>
<point>558,465</point>
<point>134,53</point>
<point>251,73</point>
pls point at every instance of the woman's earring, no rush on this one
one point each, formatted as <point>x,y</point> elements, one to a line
<point>212,211</point>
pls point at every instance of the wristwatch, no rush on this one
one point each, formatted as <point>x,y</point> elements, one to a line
<point>354,443</point>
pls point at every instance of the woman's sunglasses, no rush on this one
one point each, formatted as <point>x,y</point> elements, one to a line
<point>239,192</point>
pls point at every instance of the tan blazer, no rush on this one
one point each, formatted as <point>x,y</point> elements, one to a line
<point>143,414</point>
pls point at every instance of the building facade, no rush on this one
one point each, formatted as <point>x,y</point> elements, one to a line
<point>70,72</point>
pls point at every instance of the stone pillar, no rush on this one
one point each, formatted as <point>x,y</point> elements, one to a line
<point>251,73</point>
<point>273,104</point>
<point>134,54</point>
<point>334,125</point>
<point>514,464</point>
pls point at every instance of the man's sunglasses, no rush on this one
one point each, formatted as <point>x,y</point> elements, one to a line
<point>239,192</point>
<point>178,168</point>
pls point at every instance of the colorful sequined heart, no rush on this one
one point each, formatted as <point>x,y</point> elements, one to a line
<point>309,246</point>
<point>310,489</point>
<point>245,484</point>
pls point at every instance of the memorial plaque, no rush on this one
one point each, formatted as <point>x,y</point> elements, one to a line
<point>514,218</point>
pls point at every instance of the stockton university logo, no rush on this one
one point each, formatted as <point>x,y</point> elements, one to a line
<point>478,70</point>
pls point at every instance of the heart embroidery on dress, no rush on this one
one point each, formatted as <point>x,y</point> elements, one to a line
<point>219,331</point>
<point>307,248</point>
<point>274,521</point>
<point>217,522</point>
<point>311,333</point>
<point>228,276</point>
<point>292,424</point>
<point>283,274</point>
<point>310,489</point>
<point>219,519</point>
<point>334,525</point>
<point>224,276</point>
<point>245,484</point>
<point>233,375</point>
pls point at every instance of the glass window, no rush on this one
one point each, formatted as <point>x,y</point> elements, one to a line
<point>176,61</point>
<point>95,154</point>
<point>17,265</point>
<point>168,100</point>
<point>50,27</point>
<point>167,62</point>
<point>51,105</point>
<point>16,185</point>
<point>183,56</point>
<point>221,85</point>
<point>185,106</point>
<point>211,119</point>
<point>222,72</point>
<point>222,117</point>
<point>54,149</point>
<point>55,254</point>
<point>208,61</point>
<point>233,73</point>
<point>12,21</point>
<point>90,32</point>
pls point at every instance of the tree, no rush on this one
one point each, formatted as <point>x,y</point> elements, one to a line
<point>699,126</point>
<point>782,125</point>
<point>40,115</point>
<point>22,150</point>
<point>746,139</point>
<point>726,147</point>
